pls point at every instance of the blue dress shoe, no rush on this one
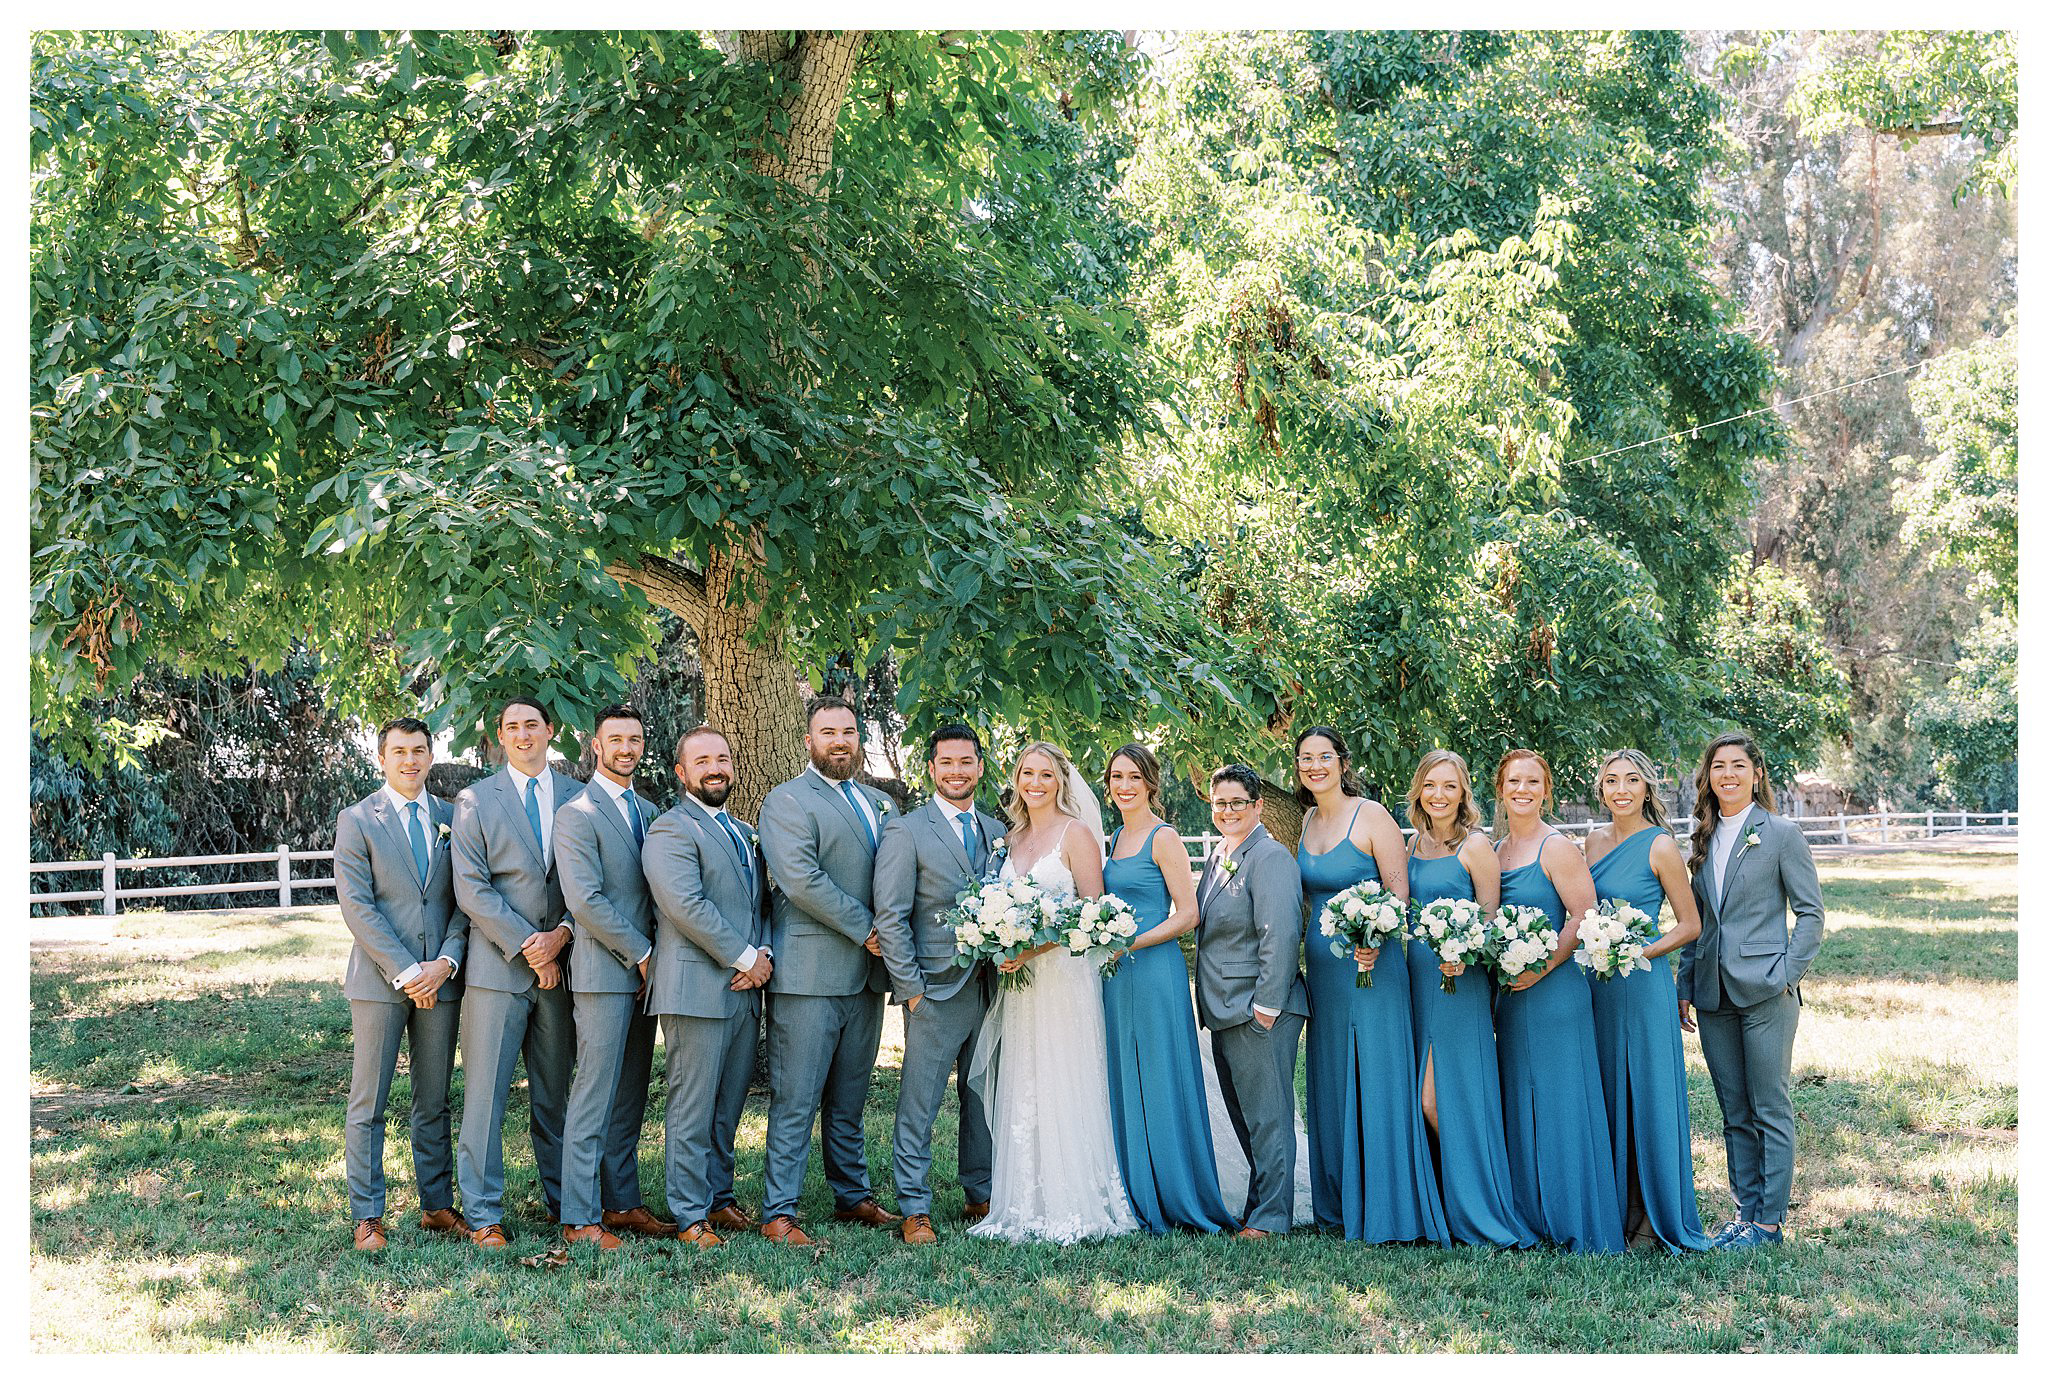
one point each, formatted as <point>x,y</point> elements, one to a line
<point>1728,1231</point>
<point>1752,1236</point>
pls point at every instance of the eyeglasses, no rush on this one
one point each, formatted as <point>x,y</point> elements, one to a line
<point>1231,805</point>
<point>1310,761</point>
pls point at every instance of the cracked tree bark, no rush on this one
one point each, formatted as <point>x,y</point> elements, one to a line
<point>752,689</point>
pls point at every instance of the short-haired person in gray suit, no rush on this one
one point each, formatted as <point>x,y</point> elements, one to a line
<point>926,858</point>
<point>391,873</point>
<point>597,852</point>
<point>711,960</point>
<point>1249,992</point>
<point>515,1002</point>
<point>820,832</point>
<point>1742,975</point>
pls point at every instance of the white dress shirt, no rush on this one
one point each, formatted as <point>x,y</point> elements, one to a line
<point>1727,833</point>
<point>546,799</point>
<point>402,805</point>
<point>860,800</point>
<point>618,791</point>
<point>746,959</point>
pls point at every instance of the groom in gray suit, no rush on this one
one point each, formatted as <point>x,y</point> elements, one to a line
<point>597,849</point>
<point>711,960</point>
<point>515,1003</point>
<point>820,832</point>
<point>391,874</point>
<point>1249,991</point>
<point>926,858</point>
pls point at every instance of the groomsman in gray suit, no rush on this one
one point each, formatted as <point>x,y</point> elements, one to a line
<point>515,1003</point>
<point>1249,991</point>
<point>598,834</point>
<point>1742,973</point>
<point>926,858</point>
<point>711,960</point>
<point>391,873</point>
<point>820,832</point>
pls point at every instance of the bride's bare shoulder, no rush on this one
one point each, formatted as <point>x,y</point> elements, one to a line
<point>1075,836</point>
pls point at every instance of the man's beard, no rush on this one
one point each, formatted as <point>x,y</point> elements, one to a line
<point>710,796</point>
<point>619,769</point>
<point>824,765</point>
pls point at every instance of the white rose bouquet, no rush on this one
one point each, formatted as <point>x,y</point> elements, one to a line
<point>1099,929</point>
<point>1365,915</point>
<point>996,920</point>
<point>1613,937</point>
<point>1520,938</point>
<point>1456,930</point>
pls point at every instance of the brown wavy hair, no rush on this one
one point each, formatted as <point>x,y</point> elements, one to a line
<point>1465,820</point>
<point>1653,808</point>
<point>1706,808</point>
<point>1500,778</point>
<point>1147,765</point>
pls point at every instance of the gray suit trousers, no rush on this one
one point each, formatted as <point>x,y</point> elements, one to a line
<point>710,1062</point>
<point>378,1029</point>
<point>498,1026</point>
<point>1255,1068</point>
<point>821,1056</point>
<point>1749,1055</point>
<point>607,1102</point>
<point>938,1039</point>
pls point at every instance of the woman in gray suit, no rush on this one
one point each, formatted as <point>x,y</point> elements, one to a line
<point>1742,973</point>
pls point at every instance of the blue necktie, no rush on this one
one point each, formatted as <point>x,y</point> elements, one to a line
<point>633,816</point>
<point>419,843</point>
<point>853,800</point>
<point>533,815</point>
<point>739,844</point>
<point>970,839</point>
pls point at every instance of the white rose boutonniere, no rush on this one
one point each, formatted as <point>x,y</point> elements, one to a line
<point>1752,837</point>
<point>1230,865</point>
<point>442,828</point>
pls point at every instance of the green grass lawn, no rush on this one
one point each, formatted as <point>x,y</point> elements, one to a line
<point>187,1193</point>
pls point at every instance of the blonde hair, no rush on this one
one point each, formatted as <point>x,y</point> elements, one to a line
<point>1465,820</point>
<point>1063,796</point>
<point>1653,809</point>
<point>1500,778</point>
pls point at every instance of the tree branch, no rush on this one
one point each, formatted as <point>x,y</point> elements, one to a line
<point>668,584</point>
<point>1931,129</point>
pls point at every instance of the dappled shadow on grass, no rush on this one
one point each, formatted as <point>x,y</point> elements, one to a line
<point>1903,953</point>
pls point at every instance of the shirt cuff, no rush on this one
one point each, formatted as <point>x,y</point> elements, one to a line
<point>746,959</point>
<point>406,976</point>
<point>1261,1010</point>
<point>643,957</point>
<point>453,965</point>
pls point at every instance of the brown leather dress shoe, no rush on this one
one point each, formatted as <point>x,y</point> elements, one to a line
<point>591,1235</point>
<point>1253,1233</point>
<point>730,1217</point>
<point>974,1211</point>
<point>701,1235</point>
<point>490,1237</point>
<point>866,1211</point>
<point>639,1221</point>
<point>447,1220</point>
<point>370,1233</point>
<point>784,1230</point>
<point>917,1230</point>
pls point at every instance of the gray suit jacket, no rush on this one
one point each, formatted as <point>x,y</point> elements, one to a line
<point>395,920</point>
<point>1744,955</point>
<point>919,872</point>
<point>706,914</point>
<point>604,891</point>
<point>824,872</point>
<point>1248,942</point>
<point>500,879</point>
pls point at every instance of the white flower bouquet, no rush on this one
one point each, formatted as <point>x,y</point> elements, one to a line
<point>1613,937</point>
<point>997,920</point>
<point>1456,930</point>
<point>1099,929</point>
<point>1520,938</point>
<point>1365,915</point>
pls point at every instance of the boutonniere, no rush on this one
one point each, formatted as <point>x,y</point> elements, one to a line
<point>883,807</point>
<point>1229,865</point>
<point>441,829</point>
<point>753,837</point>
<point>1752,837</point>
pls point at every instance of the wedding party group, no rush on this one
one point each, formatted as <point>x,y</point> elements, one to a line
<point>1493,1023</point>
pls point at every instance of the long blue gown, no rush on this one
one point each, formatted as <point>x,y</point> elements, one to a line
<point>1157,1105</point>
<point>1478,1193</point>
<point>1553,1109</point>
<point>1368,1148</point>
<point>1642,1064</point>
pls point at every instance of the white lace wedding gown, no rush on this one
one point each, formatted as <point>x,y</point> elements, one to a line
<point>1043,1071</point>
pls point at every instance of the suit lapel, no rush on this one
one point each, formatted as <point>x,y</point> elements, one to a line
<point>1741,852</point>
<point>947,828</point>
<point>844,808</point>
<point>513,804</point>
<point>394,830</point>
<point>722,847</point>
<point>439,815</point>
<point>609,810</point>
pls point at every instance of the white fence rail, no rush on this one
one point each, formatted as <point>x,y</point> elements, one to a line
<point>1843,827</point>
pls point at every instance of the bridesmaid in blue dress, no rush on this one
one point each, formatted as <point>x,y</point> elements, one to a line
<point>1635,1019</point>
<point>1157,1104</point>
<point>1459,1076</point>
<point>1368,1152</point>
<point>1552,1104</point>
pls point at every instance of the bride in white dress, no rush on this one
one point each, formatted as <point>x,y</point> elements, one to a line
<point>1042,1063</point>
